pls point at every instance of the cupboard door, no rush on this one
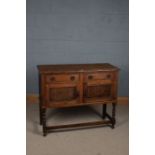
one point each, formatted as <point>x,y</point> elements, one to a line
<point>99,87</point>
<point>98,92</point>
<point>61,94</point>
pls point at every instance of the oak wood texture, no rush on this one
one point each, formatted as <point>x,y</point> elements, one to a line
<point>76,68</point>
<point>77,85</point>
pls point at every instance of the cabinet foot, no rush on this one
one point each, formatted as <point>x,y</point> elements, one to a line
<point>113,115</point>
<point>44,122</point>
<point>44,134</point>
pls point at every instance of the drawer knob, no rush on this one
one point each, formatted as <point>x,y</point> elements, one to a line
<point>90,77</point>
<point>72,78</point>
<point>52,78</point>
<point>108,76</point>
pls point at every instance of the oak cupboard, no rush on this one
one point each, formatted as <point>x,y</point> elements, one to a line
<point>77,85</point>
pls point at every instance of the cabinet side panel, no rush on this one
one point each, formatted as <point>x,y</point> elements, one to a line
<point>115,85</point>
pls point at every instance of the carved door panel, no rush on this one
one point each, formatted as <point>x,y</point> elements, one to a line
<point>58,93</point>
<point>62,89</point>
<point>98,87</point>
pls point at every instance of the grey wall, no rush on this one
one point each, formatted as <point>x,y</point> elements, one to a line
<point>77,31</point>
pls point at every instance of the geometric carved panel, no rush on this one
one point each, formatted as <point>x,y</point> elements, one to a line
<point>97,91</point>
<point>61,94</point>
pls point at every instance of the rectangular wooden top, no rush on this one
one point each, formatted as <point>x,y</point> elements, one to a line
<point>76,68</point>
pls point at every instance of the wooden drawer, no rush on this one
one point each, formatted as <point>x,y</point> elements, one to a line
<point>61,78</point>
<point>99,76</point>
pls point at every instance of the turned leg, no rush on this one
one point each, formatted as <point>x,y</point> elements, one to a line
<point>113,115</point>
<point>40,114</point>
<point>104,107</point>
<point>44,121</point>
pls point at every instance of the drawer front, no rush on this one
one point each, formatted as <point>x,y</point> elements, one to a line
<point>61,78</point>
<point>99,76</point>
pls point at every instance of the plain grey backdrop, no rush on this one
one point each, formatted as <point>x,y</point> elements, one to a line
<point>77,31</point>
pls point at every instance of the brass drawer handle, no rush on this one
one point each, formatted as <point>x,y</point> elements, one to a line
<point>90,77</point>
<point>72,78</point>
<point>52,78</point>
<point>108,76</point>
